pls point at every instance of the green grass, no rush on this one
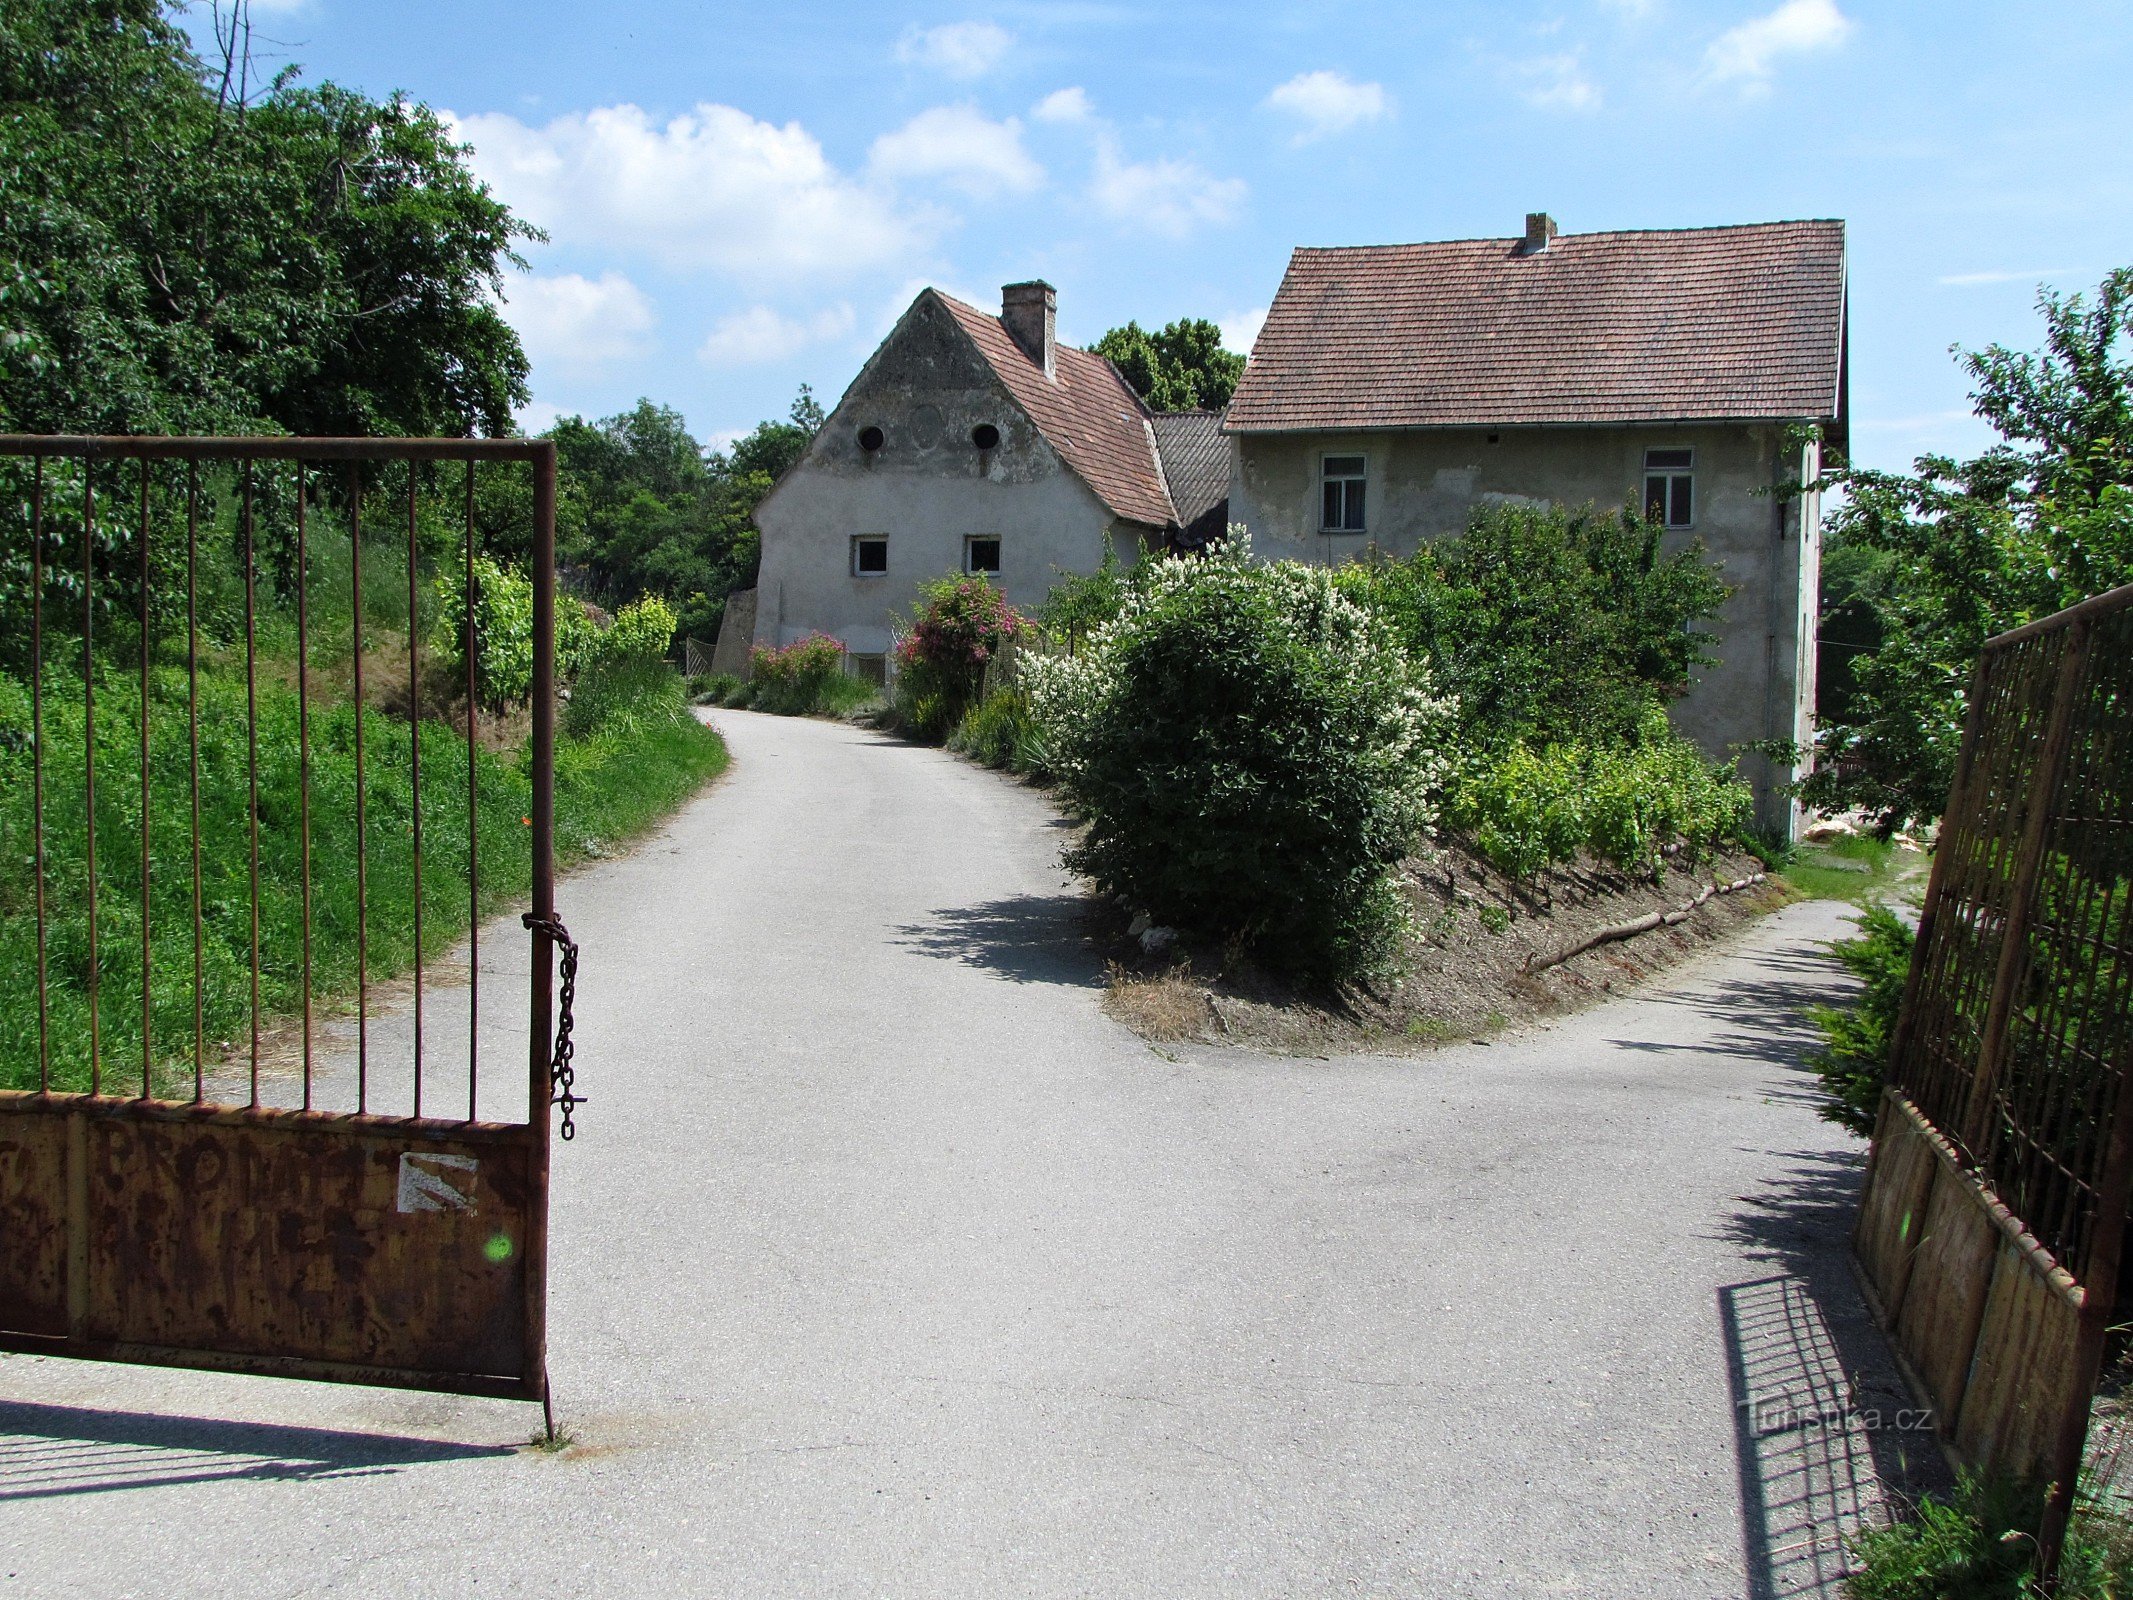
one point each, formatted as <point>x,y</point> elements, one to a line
<point>1858,868</point>
<point>619,775</point>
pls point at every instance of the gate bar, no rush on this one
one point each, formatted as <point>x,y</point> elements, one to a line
<point>88,748</point>
<point>540,1034</point>
<point>44,1019</point>
<point>147,966</point>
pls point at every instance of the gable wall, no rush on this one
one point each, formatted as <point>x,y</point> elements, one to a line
<point>926,489</point>
<point>1426,483</point>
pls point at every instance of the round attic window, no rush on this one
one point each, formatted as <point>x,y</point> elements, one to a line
<point>870,438</point>
<point>985,436</point>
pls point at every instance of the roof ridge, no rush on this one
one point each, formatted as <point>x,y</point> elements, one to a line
<point>1595,233</point>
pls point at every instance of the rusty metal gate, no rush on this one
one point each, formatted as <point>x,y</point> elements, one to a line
<point>1994,1217</point>
<point>230,1135</point>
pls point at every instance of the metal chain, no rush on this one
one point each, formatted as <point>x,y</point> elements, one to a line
<point>562,1078</point>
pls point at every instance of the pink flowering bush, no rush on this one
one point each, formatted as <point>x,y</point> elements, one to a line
<point>796,680</point>
<point>960,625</point>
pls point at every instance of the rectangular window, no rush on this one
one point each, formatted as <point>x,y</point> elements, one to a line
<point>981,553</point>
<point>1670,487</point>
<point>1341,500</point>
<point>870,555</point>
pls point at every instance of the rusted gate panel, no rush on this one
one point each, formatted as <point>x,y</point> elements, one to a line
<point>1995,1208</point>
<point>347,1243</point>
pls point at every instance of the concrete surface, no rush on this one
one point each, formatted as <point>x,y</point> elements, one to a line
<point>887,1265</point>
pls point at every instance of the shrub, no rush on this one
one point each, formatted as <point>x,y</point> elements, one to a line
<point>716,689</point>
<point>503,629</point>
<point>1550,625</point>
<point>1525,810</point>
<point>1979,1544</point>
<point>1254,754</point>
<point>1000,731</point>
<point>577,638</point>
<point>642,631</point>
<point>1854,1058</point>
<point>805,679</point>
<point>959,626</point>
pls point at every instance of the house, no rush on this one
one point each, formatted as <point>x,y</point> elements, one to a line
<point>975,443</point>
<point>1396,388</point>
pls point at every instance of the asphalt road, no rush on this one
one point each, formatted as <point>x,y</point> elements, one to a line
<point>887,1265</point>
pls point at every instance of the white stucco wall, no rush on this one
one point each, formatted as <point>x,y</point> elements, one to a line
<point>926,489</point>
<point>1426,483</point>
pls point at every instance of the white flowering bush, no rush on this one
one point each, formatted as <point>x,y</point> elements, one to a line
<point>1254,754</point>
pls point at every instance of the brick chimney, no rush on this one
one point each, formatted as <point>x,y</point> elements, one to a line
<point>1540,228</point>
<point>1030,312</point>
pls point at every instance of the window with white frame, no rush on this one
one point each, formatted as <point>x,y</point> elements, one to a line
<point>1670,487</point>
<point>981,553</point>
<point>1341,480</point>
<point>870,555</point>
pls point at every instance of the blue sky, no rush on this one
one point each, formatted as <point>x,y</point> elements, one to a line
<point>742,199</point>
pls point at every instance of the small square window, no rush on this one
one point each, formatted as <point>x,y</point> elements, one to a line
<point>1670,487</point>
<point>981,553</point>
<point>1341,504</point>
<point>870,555</point>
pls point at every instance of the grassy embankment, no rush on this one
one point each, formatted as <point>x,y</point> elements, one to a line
<point>624,760</point>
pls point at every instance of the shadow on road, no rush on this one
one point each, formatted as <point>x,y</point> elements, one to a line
<point>1029,938</point>
<point>1826,1431</point>
<point>51,1451</point>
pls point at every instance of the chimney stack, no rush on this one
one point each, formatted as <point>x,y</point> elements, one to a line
<point>1030,312</point>
<point>1540,228</point>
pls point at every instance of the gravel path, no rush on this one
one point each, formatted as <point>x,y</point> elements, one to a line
<point>887,1265</point>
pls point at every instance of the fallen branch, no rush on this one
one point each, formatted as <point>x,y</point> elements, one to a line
<point>1650,923</point>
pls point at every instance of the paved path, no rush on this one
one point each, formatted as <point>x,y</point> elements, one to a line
<point>887,1265</point>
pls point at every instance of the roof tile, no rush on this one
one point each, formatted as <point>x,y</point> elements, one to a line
<point>1683,325</point>
<point>1086,411</point>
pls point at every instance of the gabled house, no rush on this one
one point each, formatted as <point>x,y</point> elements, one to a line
<point>1396,388</point>
<point>975,443</point>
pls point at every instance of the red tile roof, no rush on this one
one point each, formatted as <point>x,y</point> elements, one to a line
<point>1086,411</point>
<point>1684,325</point>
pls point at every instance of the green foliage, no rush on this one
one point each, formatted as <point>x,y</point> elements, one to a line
<point>642,630</point>
<point>1853,1061</point>
<point>642,509</point>
<point>503,629</point>
<point>1182,367</point>
<point>1933,563</point>
<point>1254,754</point>
<point>957,627</point>
<point>803,679</point>
<point>185,252</point>
<point>1979,1544</point>
<point>1550,625</point>
<point>1002,731</point>
<point>1525,810</point>
<point>608,789</point>
<point>1077,604</point>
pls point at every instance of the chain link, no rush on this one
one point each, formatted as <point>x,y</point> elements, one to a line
<point>562,1077</point>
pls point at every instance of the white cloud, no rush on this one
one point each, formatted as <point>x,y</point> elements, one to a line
<point>1240,330</point>
<point>1170,197</point>
<point>579,324</point>
<point>960,49</point>
<point>1063,105</point>
<point>1328,102</point>
<point>712,188</point>
<point>760,334</point>
<point>1557,83</point>
<point>1747,55</point>
<point>1966,280</point>
<point>960,146</point>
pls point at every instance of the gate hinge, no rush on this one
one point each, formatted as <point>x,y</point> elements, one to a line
<point>561,1076</point>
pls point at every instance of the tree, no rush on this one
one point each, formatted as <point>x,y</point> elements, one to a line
<point>1182,367</point>
<point>1959,551</point>
<point>644,509</point>
<point>176,257</point>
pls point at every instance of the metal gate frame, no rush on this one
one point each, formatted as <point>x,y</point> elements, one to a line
<point>401,1250</point>
<point>1993,1221</point>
